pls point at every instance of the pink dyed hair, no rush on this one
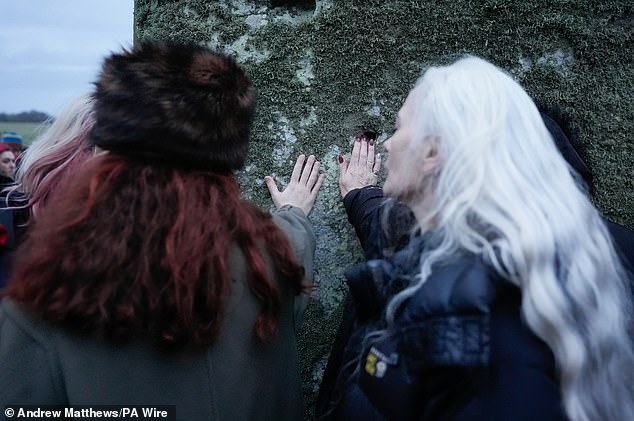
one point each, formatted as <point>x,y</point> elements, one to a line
<point>56,152</point>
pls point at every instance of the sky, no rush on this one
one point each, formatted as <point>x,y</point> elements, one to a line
<point>51,50</point>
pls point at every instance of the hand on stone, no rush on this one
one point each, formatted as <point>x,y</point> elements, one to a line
<point>302,190</point>
<point>362,169</point>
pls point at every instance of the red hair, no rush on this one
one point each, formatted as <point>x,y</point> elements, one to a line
<point>128,248</point>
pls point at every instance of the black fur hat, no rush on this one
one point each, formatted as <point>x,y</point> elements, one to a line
<point>180,104</point>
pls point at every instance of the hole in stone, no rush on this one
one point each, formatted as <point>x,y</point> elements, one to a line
<point>368,133</point>
<point>300,4</point>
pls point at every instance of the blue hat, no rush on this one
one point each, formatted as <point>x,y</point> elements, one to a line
<point>12,137</point>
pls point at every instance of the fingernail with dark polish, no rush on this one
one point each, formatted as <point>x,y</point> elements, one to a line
<point>340,159</point>
<point>371,142</point>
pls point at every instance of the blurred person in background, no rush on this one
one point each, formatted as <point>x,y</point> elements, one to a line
<point>15,142</point>
<point>52,157</point>
<point>7,165</point>
<point>13,216</point>
<point>56,153</point>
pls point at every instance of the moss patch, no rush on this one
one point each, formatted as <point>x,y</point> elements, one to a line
<point>324,71</point>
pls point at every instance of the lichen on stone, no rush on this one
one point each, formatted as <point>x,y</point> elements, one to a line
<point>326,72</point>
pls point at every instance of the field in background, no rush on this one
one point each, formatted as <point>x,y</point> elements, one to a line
<point>28,131</point>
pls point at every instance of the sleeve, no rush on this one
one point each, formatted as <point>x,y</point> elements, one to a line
<point>299,231</point>
<point>13,224</point>
<point>379,236</point>
<point>364,208</point>
<point>27,366</point>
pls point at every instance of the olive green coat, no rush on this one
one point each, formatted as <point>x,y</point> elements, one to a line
<point>238,378</point>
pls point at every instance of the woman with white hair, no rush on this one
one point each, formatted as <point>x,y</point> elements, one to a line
<point>509,300</point>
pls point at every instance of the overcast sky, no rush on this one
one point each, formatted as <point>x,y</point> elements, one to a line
<point>51,50</point>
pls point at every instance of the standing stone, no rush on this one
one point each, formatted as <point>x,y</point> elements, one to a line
<point>326,69</point>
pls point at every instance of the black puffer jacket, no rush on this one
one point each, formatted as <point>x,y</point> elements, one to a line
<point>459,349</point>
<point>13,218</point>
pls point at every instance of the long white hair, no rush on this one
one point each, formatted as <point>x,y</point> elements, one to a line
<point>503,191</point>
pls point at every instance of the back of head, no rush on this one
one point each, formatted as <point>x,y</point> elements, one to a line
<point>160,213</point>
<point>57,152</point>
<point>182,104</point>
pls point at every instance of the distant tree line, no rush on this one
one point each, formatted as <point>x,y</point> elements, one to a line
<point>25,117</point>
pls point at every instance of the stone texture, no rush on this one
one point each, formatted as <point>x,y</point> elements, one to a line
<point>325,69</point>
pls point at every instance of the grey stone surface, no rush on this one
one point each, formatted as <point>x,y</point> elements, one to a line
<point>324,69</point>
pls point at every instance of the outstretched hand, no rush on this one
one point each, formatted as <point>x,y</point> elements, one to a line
<point>362,169</point>
<point>302,190</point>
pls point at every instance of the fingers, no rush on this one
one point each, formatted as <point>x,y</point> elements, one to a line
<point>297,169</point>
<point>302,190</point>
<point>370,158</point>
<point>308,169</point>
<point>377,164</point>
<point>319,183</point>
<point>363,153</point>
<point>356,151</point>
<point>362,159</point>
<point>314,174</point>
<point>273,190</point>
<point>270,183</point>
<point>305,173</point>
<point>343,166</point>
<point>371,150</point>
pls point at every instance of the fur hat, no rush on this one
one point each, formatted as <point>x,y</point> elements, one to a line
<point>180,104</point>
